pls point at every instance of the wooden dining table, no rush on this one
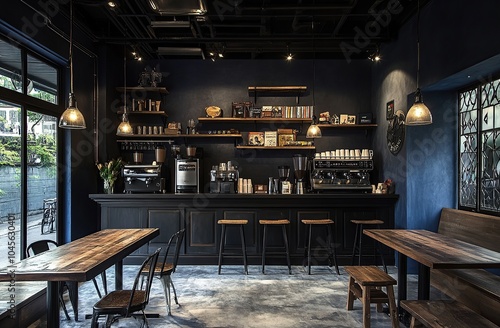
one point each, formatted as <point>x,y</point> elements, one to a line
<point>79,260</point>
<point>432,251</point>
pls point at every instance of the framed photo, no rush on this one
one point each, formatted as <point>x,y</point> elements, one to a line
<point>351,119</point>
<point>343,118</point>
<point>270,138</point>
<point>256,138</point>
<point>389,110</point>
<point>285,139</point>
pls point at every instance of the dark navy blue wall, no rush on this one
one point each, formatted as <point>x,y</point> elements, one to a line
<point>456,42</point>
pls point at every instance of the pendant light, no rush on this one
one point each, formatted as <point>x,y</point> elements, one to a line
<point>124,128</point>
<point>418,114</point>
<point>313,131</point>
<point>72,118</point>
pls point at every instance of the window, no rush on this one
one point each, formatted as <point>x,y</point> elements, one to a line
<point>479,117</point>
<point>28,154</point>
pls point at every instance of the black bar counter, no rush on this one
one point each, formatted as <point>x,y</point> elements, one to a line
<point>198,214</point>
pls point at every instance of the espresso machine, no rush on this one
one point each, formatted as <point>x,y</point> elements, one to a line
<point>144,178</point>
<point>300,170</point>
<point>341,175</point>
<point>223,178</point>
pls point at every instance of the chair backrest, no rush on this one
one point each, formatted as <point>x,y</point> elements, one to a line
<point>150,264</point>
<point>176,238</point>
<point>40,246</point>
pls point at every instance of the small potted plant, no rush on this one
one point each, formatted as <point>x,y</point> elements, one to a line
<point>109,172</point>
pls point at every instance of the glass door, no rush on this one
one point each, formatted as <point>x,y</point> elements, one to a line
<point>41,172</point>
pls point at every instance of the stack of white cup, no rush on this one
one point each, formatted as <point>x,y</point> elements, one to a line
<point>345,154</point>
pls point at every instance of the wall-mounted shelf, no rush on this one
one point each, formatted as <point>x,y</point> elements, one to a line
<point>346,126</point>
<point>270,91</point>
<point>253,120</point>
<point>143,89</point>
<point>145,113</point>
<point>138,137</point>
<point>276,147</point>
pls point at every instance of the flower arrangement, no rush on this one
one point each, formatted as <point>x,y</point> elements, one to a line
<point>109,172</point>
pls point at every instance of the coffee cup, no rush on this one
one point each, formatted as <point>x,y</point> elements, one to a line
<point>342,154</point>
<point>357,153</point>
<point>364,154</point>
<point>351,154</point>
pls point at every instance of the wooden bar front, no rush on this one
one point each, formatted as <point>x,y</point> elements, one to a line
<point>198,214</point>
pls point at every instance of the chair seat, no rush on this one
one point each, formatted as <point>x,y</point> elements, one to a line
<point>232,222</point>
<point>118,300</point>
<point>160,269</point>
<point>367,222</point>
<point>321,221</point>
<point>284,221</point>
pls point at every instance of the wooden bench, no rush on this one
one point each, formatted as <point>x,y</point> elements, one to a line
<point>477,289</point>
<point>448,313</point>
<point>30,300</point>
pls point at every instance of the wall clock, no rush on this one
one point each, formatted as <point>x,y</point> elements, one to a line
<point>396,132</point>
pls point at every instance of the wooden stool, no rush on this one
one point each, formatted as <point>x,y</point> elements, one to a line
<point>224,224</point>
<point>364,284</point>
<point>358,238</point>
<point>283,224</point>
<point>331,251</point>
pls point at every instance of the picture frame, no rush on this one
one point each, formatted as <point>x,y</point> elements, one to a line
<point>389,115</point>
<point>343,118</point>
<point>285,139</point>
<point>351,119</point>
<point>256,138</point>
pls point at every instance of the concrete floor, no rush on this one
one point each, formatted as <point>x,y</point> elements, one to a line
<point>233,299</point>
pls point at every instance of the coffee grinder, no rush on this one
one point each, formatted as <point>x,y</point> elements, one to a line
<point>283,172</point>
<point>300,167</point>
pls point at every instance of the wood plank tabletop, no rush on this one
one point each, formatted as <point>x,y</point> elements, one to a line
<point>82,259</point>
<point>435,250</point>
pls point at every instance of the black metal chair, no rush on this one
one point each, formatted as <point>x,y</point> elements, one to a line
<point>166,268</point>
<point>124,303</point>
<point>40,246</point>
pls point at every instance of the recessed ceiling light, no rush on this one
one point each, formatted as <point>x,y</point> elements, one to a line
<point>112,4</point>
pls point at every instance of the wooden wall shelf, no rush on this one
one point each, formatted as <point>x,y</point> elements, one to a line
<point>276,147</point>
<point>346,126</point>
<point>143,89</point>
<point>253,120</point>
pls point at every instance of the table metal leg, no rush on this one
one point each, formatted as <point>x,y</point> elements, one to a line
<point>402,277</point>
<point>53,304</point>
<point>119,275</point>
<point>424,282</point>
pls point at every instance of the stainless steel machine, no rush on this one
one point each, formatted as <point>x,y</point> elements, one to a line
<point>342,175</point>
<point>187,175</point>
<point>144,178</point>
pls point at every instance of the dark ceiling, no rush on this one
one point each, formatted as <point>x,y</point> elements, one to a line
<point>248,29</point>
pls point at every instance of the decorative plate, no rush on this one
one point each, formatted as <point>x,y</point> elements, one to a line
<point>213,111</point>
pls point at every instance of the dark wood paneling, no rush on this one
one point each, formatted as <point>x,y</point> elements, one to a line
<point>233,239</point>
<point>203,232</point>
<point>201,236</point>
<point>169,221</point>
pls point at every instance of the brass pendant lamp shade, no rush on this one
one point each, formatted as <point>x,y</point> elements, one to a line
<point>313,131</point>
<point>71,118</point>
<point>124,127</point>
<point>419,113</point>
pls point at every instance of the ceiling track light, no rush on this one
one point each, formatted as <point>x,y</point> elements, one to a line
<point>71,118</point>
<point>419,113</point>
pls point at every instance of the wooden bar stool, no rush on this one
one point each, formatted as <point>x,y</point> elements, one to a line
<point>358,238</point>
<point>364,284</point>
<point>331,251</point>
<point>283,223</point>
<point>224,224</point>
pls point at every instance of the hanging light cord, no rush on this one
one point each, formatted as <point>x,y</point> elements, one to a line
<point>418,44</point>
<point>71,47</point>
<point>125,79</point>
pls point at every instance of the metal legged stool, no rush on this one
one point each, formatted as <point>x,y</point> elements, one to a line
<point>331,251</point>
<point>239,223</point>
<point>358,238</point>
<point>283,224</point>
